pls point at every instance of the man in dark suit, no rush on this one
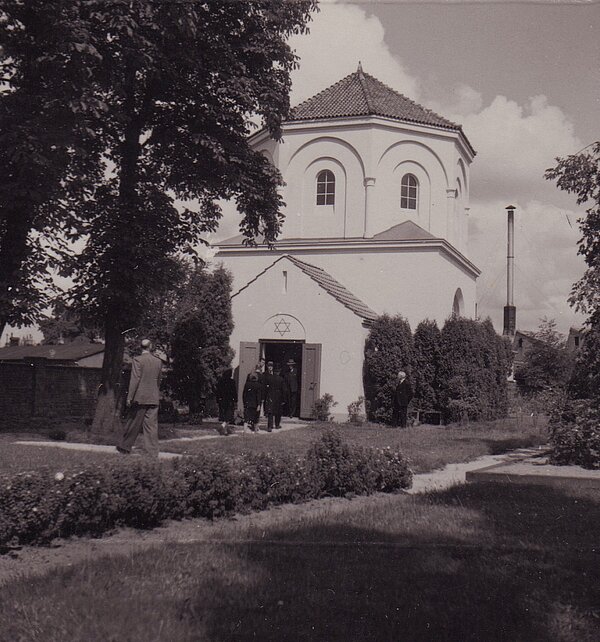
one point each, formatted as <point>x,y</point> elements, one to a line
<point>142,401</point>
<point>292,389</point>
<point>402,395</point>
<point>274,391</point>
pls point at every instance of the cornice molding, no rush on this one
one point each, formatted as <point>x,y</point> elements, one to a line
<point>341,246</point>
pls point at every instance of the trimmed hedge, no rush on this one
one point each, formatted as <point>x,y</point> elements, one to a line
<point>426,365</point>
<point>388,349</point>
<point>37,507</point>
<point>474,365</point>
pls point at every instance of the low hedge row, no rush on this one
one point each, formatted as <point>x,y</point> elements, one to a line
<point>37,507</point>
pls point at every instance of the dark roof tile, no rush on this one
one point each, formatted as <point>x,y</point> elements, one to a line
<point>360,94</point>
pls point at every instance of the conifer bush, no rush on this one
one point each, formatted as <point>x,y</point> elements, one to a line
<point>426,365</point>
<point>474,365</point>
<point>388,349</point>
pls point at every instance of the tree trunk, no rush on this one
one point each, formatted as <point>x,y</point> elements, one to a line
<point>111,396</point>
<point>107,417</point>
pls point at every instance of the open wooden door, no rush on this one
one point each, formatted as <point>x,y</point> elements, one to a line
<point>310,379</point>
<point>249,356</point>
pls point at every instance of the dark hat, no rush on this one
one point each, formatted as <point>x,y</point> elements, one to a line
<point>291,362</point>
<point>269,363</point>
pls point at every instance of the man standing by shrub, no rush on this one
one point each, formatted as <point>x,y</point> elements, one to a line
<point>402,395</point>
<point>142,402</point>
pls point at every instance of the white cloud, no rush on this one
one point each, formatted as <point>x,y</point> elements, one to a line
<point>515,143</point>
<point>340,36</point>
<point>546,262</point>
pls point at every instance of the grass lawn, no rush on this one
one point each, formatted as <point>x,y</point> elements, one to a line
<point>477,562</point>
<point>16,458</point>
<point>427,447</point>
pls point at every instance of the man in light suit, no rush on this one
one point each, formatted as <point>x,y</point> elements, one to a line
<point>142,401</point>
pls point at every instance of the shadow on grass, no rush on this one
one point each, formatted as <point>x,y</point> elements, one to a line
<point>537,580</point>
<point>498,446</point>
<point>480,562</point>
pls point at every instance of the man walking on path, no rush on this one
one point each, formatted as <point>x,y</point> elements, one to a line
<point>142,402</point>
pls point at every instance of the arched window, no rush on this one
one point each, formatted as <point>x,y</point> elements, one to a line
<point>409,193</point>
<point>325,188</point>
<point>458,304</point>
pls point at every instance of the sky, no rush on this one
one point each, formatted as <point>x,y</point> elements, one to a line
<point>524,82</point>
<point>523,79</point>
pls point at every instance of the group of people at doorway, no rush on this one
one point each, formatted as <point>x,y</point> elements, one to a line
<point>275,392</point>
<point>265,386</point>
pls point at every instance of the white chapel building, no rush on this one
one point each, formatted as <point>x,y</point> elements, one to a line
<point>377,202</point>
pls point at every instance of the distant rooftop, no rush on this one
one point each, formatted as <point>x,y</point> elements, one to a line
<point>65,352</point>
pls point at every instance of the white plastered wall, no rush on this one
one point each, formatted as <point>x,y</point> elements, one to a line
<point>319,317</point>
<point>417,283</point>
<point>380,151</point>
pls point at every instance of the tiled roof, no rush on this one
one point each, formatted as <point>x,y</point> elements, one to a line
<point>328,283</point>
<point>335,288</point>
<point>406,231</point>
<point>360,94</point>
<point>65,352</point>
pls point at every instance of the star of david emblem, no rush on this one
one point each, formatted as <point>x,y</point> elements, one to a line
<point>282,327</point>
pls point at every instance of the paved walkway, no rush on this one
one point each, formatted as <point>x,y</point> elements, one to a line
<point>102,448</point>
<point>536,470</point>
<point>453,474</point>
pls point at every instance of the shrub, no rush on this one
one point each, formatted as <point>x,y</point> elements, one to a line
<point>547,365</point>
<point>575,434</point>
<point>322,408</point>
<point>343,470</point>
<point>474,365</point>
<point>356,415</point>
<point>39,506</point>
<point>388,349</point>
<point>426,365</point>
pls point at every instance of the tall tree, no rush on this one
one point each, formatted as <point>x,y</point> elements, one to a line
<point>579,174</point>
<point>45,56</point>
<point>65,326</point>
<point>181,82</point>
<point>200,348</point>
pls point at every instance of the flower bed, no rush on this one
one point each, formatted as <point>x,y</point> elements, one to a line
<point>37,507</point>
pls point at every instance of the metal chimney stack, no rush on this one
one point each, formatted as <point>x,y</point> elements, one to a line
<point>510,311</point>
